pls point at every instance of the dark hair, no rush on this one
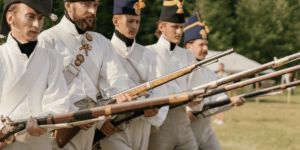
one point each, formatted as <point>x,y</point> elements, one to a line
<point>189,42</point>
<point>158,33</point>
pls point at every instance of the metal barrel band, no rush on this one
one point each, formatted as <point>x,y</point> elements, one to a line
<point>108,109</point>
<point>213,85</point>
<point>282,86</point>
<point>49,119</point>
<point>241,84</point>
<point>280,62</point>
<point>181,98</point>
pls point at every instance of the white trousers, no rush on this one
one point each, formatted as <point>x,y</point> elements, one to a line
<point>82,141</point>
<point>175,133</point>
<point>204,135</point>
<point>134,137</point>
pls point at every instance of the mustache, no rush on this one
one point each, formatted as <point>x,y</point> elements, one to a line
<point>205,53</point>
<point>90,16</point>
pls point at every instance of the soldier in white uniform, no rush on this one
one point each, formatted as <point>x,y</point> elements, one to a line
<point>140,64</point>
<point>89,61</point>
<point>196,40</point>
<point>175,132</point>
<point>32,84</point>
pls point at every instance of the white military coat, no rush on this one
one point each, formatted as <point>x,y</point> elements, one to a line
<point>205,136</point>
<point>112,77</point>
<point>137,133</point>
<point>175,132</point>
<point>48,95</point>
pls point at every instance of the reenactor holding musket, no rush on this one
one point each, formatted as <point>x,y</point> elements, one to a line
<point>175,132</point>
<point>141,64</point>
<point>89,64</point>
<point>31,82</point>
<point>196,40</point>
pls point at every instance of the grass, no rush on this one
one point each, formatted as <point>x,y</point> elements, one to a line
<point>271,124</point>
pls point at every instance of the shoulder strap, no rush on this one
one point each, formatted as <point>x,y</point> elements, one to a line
<point>72,70</point>
<point>25,83</point>
<point>130,64</point>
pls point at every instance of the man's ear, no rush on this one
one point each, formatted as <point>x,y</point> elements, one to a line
<point>188,45</point>
<point>116,21</point>
<point>68,6</point>
<point>161,28</point>
<point>10,18</point>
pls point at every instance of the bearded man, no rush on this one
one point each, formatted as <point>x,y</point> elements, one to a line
<point>89,61</point>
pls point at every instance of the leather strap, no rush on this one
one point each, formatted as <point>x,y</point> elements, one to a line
<point>25,83</point>
<point>130,64</point>
<point>73,46</point>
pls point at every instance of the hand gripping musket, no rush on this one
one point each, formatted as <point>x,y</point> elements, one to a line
<point>12,127</point>
<point>142,89</point>
<point>212,85</point>
<point>264,92</point>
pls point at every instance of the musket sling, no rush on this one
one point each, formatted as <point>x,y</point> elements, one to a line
<point>25,83</point>
<point>72,70</point>
<point>130,64</point>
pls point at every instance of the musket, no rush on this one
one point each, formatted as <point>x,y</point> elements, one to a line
<point>12,127</point>
<point>141,89</point>
<point>274,64</point>
<point>262,92</point>
<point>209,92</point>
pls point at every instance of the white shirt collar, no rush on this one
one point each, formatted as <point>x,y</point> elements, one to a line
<point>13,45</point>
<point>121,45</point>
<point>165,44</point>
<point>69,26</point>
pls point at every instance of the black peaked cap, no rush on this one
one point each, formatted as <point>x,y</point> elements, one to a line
<point>172,11</point>
<point>42,6</point>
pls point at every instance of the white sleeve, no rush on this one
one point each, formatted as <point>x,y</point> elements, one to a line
<point>112,71</point>
<point>56,97</point>
<point>1,79</point>
<point>154,73</point>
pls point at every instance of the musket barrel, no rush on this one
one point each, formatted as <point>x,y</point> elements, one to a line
<point>252,71</point>
<point>227,101</point>
<point>251,81</point>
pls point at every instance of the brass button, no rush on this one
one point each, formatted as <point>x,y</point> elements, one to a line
<point>87,105</point>
<point>77,62</point>
<point>89,37</point>
<point>88,100</point>
<point>80,58</point>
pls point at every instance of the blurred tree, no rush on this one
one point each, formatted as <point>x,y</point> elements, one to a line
<point>220,17</point>
<point>265,29</point>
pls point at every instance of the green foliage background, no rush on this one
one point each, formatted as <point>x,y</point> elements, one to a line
<point>258,29</point>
